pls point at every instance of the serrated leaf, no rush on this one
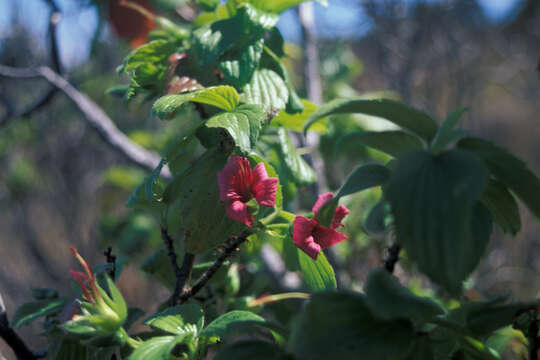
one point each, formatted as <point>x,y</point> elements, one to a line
<point>211,41</point>
<point>362,178</point>
<point>266,89</point>
<point>394,142</point>
<point>389,300</point>
<point>158,348</point>
<point>301,173</point>
<point>508,169</point>
<point>223,97</point>
<point>31,311</point>
<point>151,53</point>
<point>258,18</point>
<point>174,319</point>
<point>238,66</point>
<point>437,216</point>
<point>295,122</point>
<point>251,350</point>
<point>503,206</point>
<point>243,125</point>
<point>229,321</point>
<point>318,275</point>
<point>400,114</point>
<point>341,326</point>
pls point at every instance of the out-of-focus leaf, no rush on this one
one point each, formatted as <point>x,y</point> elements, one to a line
<point>31,311</point>
<point>296,122</point>
<point>394,143</point>
<point>503,206</point>
<point>318,275</point>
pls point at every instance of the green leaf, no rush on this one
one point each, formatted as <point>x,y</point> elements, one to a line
<point>446,133</point>
<point>257,18</point>
<point>395,143</point>
<point>212,41</point>
<point>508,169</point>
<point>503,206</point>
<point>154,52</point>
<point>174,319</point>
<point>278,6</point>
<point>302,174</point>
<point>295,122</point>
<point>44,293</point>
<point>341,326</point>
<point>223,97</point>
<point>251,350</point>
<point>30,311</point>
<point>208,5</point>
<point>238,66</point>
<point>195,211</point>
<point>438,218</point>
<point>158,348</point>
<point>229,321</point>
<point>243,125</point>
<point>134,314</point>
<point>400,114</point>
<point>362,178</point>
<point>389,300</point>
<point>423,350</point>
<point>266,89</point>
<point>318,275</point>
<point>148,195</point>
<point>157,264</point>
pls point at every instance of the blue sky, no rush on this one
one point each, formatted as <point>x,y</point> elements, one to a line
<point>77,28</point>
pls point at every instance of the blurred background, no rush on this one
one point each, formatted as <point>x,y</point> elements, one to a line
<point>61,185</point>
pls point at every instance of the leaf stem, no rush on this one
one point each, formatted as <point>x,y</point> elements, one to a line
<point>278,297</point>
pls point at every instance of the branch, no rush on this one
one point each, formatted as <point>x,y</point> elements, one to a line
<point>94,116</point>
<point>207,275</point>
<point>392,257</point>
<point>111,259</point>
<point>12,339</point>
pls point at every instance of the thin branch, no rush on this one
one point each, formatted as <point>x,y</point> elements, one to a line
<point>94,116</point>
<point>111,259</point>
<point>392,258</point>
<point>207,275</point>
<point>11,338</point>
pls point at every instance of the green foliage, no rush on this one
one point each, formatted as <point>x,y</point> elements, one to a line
<point>31,311</point>
<point>266,89</point>
<point>394,143</point>
<point>298,169</point>
<point>176,320</point>
<point>158,347</point>
<point>252,349</point>
<point>318,275</point>
<point>438,219</point>
<point>295,122</point>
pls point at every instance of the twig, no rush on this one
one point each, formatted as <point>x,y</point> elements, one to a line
<point>94,116</point>
<point>534,340</point>
<point>207,275</point>
<point>182,274</point>
<point>111,259</point>
<point>392,257</point>
<point>11,338</point>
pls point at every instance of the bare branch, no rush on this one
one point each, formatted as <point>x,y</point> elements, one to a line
<point>392,258</point>
<point>207,275</point>
<point>94,116</point>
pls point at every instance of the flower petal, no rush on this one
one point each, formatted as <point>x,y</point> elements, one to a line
<point>228,179</point>
<point>237,211</point>
<point>341,212</point>
<point>265,192</point>
<point>302,236</point>
<point>321,200</point>
<point>259,173</point>
<point>326,237</point>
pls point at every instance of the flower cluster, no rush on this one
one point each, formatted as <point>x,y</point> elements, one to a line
<point>239,183</point>
<point>311,237</point>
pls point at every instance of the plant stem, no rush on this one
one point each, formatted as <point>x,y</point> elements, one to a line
<point>278,297</point>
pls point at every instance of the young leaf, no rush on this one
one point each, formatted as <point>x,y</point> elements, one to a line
<point>446,133</point>
<point>318,275</point>
<point>230,321</point>
<point>174,319</point>
<point>295,122</point>
<point>266,89</point>
<point>29,312</point>
<point>503,206</point>
<point>341,326</point>
<point>394,142</point>
<point>400,114</point>
<point>223,97</point>
<point>508,169</point>
<point>158,347</point>
<point>438,218</point>
<point>389,300</point>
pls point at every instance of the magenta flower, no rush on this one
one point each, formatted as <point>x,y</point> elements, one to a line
<point>311,237</point>
<point>239,183</point>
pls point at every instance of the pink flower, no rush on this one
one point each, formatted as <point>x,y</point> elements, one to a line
<point>87,281</point>
<point>239,183</point>
<point>311,237</point>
